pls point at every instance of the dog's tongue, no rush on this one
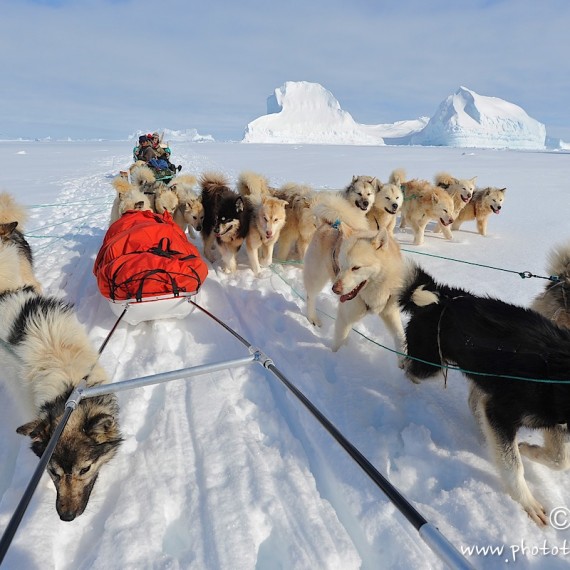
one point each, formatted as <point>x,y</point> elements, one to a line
<point>353,293</point>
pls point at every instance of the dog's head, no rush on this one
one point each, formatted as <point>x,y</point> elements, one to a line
<point>90,439</point>
<point>362,191</point>
<point>442,207</point>
<point>466,187</point>
<point>494,198</point>
<point>166,200</point>
<point>359,261</point>
<point>271,216</point>
<point>389,198</point>
<point>229,217</point>
<point>193,213</point>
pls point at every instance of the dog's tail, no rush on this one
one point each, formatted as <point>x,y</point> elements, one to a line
<point>397,177</point>
<point>210,181</point>
<point>10,211</point>
<point>122,185</point>
<point>419,290</point>
<point>183,186</point>
<point>559,261</point>
<point>252,184</point>
<point>444,180</point>
<point>141,175</point>
<point>332,208</point>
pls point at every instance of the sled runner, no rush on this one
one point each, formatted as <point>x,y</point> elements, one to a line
<point>147,264</point>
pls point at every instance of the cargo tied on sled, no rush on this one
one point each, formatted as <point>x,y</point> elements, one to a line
<point>147,263</point>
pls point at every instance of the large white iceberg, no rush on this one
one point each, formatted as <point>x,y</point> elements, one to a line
<point>466,119</point>
<point>300,112</point>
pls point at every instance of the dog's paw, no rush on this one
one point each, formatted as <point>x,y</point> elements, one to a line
<point>537,513</point>
<point>315,321</point>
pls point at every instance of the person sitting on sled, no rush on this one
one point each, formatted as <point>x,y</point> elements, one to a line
<point>144,151</point>
<point>163,152</point>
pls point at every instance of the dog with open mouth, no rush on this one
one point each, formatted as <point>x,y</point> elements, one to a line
<point>365,267</point>
<point>484,203</point>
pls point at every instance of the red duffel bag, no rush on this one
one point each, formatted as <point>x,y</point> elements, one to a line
<point>147,255</point>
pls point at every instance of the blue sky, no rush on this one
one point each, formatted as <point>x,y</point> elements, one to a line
<point>107,68</point>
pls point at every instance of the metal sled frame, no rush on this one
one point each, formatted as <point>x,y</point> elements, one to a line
<point>152,308</point>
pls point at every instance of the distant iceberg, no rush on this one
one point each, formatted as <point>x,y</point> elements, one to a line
<point>300,112</point>
<point>466,119</point>
<point>168,135</point>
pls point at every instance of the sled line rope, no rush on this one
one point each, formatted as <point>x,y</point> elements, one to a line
<point>76,203</point>
<point>444,367</point>
<point>521,274</point>
<point>70,406</point>
<point>427,531</point>
<point>66,221</point>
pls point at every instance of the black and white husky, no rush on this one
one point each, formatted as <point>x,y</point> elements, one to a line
<point>44,355</point>
<point>498,346</point>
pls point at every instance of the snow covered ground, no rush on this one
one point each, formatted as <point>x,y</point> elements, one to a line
<point>227,470</point>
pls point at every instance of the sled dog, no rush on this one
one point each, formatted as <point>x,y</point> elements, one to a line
<point>12,219</point>
<point>460,189</point>
<point>388,202</point>
<point>190,212</point>
<point>165,199</point>
<point>361,192</point>
<point>424,202</point>
<point>554,301</point>
<point>496,345</point>
<point>300,220</point>
<point>46,354</point>
<point>227,217</point>
<point>128,197</point>
<point>484,203</point>
<point>268,218</point>
<point>364,265</point>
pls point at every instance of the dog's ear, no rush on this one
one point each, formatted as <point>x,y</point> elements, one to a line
<point>7,229</point>
<point>240,204</point>
<point>473,179</point>
<point>503,190</point>
<point>100,427</point>
<point>380,240</point>
<point>36,430</point>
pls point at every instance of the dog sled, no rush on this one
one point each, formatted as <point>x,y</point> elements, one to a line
<point>147,265</point>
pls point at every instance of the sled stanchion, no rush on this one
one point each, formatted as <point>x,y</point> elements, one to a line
<point>14,523</point>
<point>442,547</point>
<point>162,377</point>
